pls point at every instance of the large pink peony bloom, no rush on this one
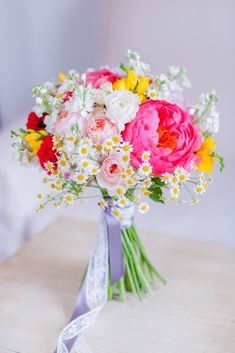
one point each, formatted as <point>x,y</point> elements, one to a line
<point>97,78</point>
<point>167,132</point>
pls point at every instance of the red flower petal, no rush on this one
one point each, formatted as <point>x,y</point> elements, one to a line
<point>34,122</point>
<point>47,153</point>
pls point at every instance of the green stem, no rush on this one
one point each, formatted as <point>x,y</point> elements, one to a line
<point>130,270</point>
<point>158,275</point>
<point>143,281</point>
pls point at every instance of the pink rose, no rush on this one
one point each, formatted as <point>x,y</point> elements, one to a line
<point>110,175</point>
<point>97,78</point>
<point>65,120</point>
<point>99,128</point>
<point>167,132</point>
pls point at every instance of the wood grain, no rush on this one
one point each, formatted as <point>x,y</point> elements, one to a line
<point>193,313</point>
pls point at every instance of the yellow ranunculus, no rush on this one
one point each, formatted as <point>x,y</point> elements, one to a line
<point>204,153</point>
<point>133,83</point>
<point>120,84</point>
<point>131,80</point>
<point>142,85</point>
<point>34,141</point>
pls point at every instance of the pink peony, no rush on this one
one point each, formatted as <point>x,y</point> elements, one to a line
<point>99,128</point>
<point>97,78</point>
<point>167,132</point>
<point>110,175</point>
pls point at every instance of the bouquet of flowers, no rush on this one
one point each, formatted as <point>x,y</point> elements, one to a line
<point>131,135</point>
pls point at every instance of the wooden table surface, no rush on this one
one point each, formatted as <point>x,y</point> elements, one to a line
<point>193,313</point>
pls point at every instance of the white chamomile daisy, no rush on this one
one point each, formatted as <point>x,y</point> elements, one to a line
<point>137,198</point>
<point>122,202</point>
<point>127,147</point>
<point>175,191</point>
<point>116,139</point>
<point>166,177</point>
<point>145,169</point>
<point>103,204</point>
<point>108,145</point>
<point>129,171</point>
<point>199,189</point>
<point>94,170</point>
<point>68,199</point>
<point>80,178</point>
<point>119,191</point>
<point>146,156</point>
<point>58,185</point>
<point>147,182</point>
<point>182,174</point>
<point>49,167</point>
<point>85,164</point>
<point>125,158</point>
<point>174,180</point>
<point>70,138</point>
<point>202,177</point>
<point>62,163</point>
<point>116,213</point>
<point>83,150</point>
<point>130,182</point>
<point>143,207</point>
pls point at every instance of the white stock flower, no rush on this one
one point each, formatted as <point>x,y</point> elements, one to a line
<point>122,107</point>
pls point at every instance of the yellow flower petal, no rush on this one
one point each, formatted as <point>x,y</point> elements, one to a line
<point>61,76</point>
<point>34,146</point>
<point>131,80</point>
<point>120,84</point>
<point>207,146</point>
<point>206,164</point>
<point>206,160</point>
<point>32,136</point>
<point>142,85</point>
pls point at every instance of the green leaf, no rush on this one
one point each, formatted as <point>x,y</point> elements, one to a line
<point>123,67</point>
<point>13,133</point>
<point>23,131</point>
<point>219,159</point>
<point>157,181</point>
<point>130,194</point>
<point>156,193</point>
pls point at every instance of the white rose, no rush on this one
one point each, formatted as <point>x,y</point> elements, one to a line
<point>122,107</point>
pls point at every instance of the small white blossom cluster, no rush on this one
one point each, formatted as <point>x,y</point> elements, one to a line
<point>45,98</point>
<point>193,183</point>
<point>163,86</point>
<point>206,114</point>
<point>135,64</point>
<point>82,101</point>
<point>21,152</point>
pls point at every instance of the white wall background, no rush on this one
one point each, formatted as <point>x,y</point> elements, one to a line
<point>41,38</point>
<point>38,39</point>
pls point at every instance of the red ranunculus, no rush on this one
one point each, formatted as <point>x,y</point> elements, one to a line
<point>34,122</point>
<point>47,153</point>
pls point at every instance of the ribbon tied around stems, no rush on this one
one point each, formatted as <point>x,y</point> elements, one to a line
<point>106,259</point>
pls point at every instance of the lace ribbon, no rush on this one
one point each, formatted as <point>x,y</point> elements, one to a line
<point>106,257</point>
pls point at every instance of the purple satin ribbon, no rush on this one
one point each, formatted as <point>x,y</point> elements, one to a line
<point>115,247</point>
<point>115,264</point>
